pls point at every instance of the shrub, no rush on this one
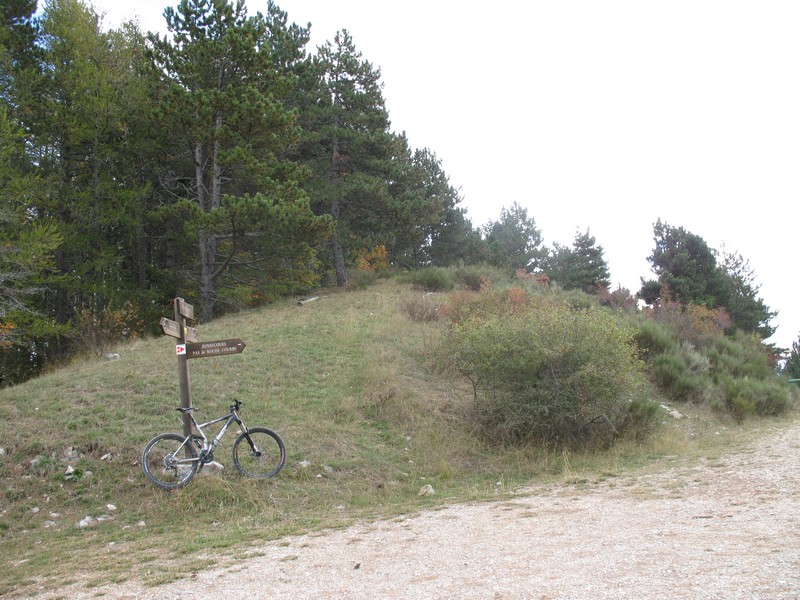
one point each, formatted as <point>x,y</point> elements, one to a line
<point>464,305</point>
<point>376,259</point>
<point>653,338</point>
<point>742,356</point>
<point>621,299</point>
<point>361,280</point>
<point>672,375</point>
<point>431,279</point>
<point>97,332</point>
<point>551,374</point>
<point>421,308</point>
<point>696,324</point>
<point>745,396</point>
<point>479,277</point>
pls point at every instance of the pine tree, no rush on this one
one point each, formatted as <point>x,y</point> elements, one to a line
<point>230,79</point>
<point>85,104</point>
<point>747,311</point>
<point>513,241</point>
<point>791,367</point>
<point>580,267</point>
<point>349,148</point>
<point>685,265</point>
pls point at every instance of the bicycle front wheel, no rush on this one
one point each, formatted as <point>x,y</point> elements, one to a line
<point>168,462</point>
<point>259,452</point>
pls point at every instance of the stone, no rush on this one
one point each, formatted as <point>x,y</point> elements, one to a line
<point>84,522</point>
<point>672,412</point>
<point>212,468</point>
<point>426,490</point>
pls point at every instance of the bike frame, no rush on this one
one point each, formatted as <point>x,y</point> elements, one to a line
<point>229,418</point>
<point>209,446</point>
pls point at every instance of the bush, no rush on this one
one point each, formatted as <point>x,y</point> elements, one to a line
<point>745,397</point>
<point>551,374</point>
<point>432,279</point>
<point>421,308</point>
<point>672,375</point>
<point>97,332</point>
<point>480,277</point>
<point>653,338</point>
<point>742,356</point>
<point>696,324</point>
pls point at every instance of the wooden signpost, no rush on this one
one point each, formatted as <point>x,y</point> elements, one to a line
<point>190,346</point>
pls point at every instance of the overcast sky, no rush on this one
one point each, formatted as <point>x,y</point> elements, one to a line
<point>596,115</point>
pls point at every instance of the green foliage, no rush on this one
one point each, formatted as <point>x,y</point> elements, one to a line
<point>745,396</point>
<point>672,373</point>
<point>580,267</point>
<point>453,240</point>
<point>228,79</point>
<point>689,274</point>
<point>513,241</point>
<point>431,279</point>
<point>685,265</point>
<point>691,360</point>
<point>791,367</point>
<point>542,371</point>
<point>747,311</point>
<point>349,151</point>
<point>476,277</point>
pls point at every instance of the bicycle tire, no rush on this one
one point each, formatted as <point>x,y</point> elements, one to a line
<point>261,456</point>
<point>156,459</point>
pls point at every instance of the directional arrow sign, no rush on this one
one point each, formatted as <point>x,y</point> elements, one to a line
<point>173,328</point>
<point>218,348</point>
<point>184,309</point>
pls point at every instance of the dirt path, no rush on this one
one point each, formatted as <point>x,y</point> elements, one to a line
<point>727,529</point>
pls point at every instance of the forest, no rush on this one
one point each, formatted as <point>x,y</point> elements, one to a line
<point>229,164</point>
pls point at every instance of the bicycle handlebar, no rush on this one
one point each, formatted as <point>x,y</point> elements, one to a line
<point>237,404</point>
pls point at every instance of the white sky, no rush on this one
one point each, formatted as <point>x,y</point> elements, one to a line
<point>601,115</point>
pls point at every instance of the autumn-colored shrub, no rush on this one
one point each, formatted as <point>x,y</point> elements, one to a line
<point>96,331</point>
<point>376,259</point>
<point>696,324</point>
<point>621,298</point>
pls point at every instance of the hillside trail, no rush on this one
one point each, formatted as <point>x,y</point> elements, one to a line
<point>727,528</point>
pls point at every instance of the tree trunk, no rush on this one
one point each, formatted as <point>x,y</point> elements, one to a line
<point>208,241</point>
<point>338,251</point>
<point>208,292</point>
<point>338,259</point>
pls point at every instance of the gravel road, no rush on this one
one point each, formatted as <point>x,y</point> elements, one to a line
<point>727,528</point>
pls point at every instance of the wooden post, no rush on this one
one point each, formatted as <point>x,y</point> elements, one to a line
<point>183,311</point>
<point>180,308</point>
<point>189,346</point>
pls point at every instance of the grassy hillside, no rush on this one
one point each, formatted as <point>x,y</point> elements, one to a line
<point>346,382</point>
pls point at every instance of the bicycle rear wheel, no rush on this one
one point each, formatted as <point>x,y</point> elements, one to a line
<point>168,462</point>
<point>259,453</point>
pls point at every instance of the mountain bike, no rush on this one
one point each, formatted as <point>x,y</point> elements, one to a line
<point>171,460</point>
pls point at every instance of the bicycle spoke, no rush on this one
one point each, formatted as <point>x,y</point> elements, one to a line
<point>259,453</point>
